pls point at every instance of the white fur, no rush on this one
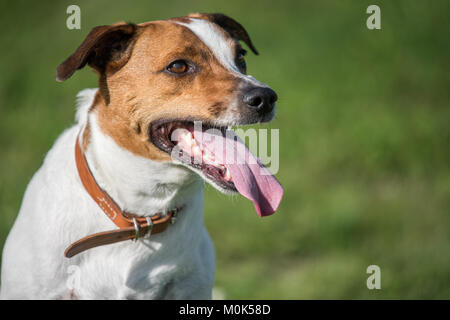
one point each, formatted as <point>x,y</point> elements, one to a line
<point>84,101</point>
<point>56,211</point>
<point>221,47</point>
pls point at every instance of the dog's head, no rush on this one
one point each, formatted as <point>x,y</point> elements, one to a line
<point>160,76</point>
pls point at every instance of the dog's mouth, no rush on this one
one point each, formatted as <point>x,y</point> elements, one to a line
<point>218,155</point>
<point>177,138</point>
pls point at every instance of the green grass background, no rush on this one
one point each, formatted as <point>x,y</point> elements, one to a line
<point>364,139</point>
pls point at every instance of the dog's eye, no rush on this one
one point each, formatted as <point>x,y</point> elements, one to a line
<point>178,67</point>
<point>240,60</point>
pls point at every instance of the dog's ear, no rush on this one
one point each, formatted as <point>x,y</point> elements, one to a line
<point>104,46</point>
<point>234,28</point>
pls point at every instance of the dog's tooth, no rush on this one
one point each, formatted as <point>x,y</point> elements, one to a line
<point>193,141</point>
<point>188,138</point>
<point>227,175</point>
<point>196,150</point>
<point>208,157</point>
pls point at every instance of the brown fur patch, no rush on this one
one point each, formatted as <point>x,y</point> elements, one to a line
<point>216,109</point>
<point>231,26</point>
<point>180,19</point>
<point>104,46</point>
<point>142,91</point>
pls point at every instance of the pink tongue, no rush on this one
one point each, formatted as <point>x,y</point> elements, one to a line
<point>251,178</point>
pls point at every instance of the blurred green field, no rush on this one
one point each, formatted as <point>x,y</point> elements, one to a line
<point>364,139</point>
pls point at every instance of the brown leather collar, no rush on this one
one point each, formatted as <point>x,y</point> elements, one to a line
<point>130,225</point>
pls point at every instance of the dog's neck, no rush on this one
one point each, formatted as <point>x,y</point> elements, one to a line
<point>138,185</point>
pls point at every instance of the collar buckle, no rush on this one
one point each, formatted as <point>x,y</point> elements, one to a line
<point>149,226</point>
<point>136,228</point>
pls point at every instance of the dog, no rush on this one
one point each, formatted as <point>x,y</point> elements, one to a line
<point>114,212</point>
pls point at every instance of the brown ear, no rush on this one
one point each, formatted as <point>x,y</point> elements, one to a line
<point>234,28</point>
<point>102,45</point>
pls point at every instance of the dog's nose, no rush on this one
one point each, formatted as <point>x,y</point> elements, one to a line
<point>261,99</point>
